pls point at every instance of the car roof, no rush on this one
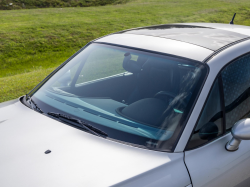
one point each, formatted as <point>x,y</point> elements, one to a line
<point>241,29</point>
<point>209,36</point>
<point>191,40</point>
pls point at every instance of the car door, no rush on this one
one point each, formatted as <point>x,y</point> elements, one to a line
<point>206,158</point>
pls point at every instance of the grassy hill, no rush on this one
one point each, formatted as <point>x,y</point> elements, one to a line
<point>35,41</point>
<point>28,4</point>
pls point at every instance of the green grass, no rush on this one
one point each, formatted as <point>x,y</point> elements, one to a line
<point>27,4</point>
<point>35,41</point>
<point>17,85</point>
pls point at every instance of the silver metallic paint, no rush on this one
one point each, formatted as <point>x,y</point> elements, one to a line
<point>212,165</point>
<point>159,45</point>
<point>77,158</point>
<point>241,29</point>
<point>206,37</point>
<point>7,103</point>
<point>233,144</point>
<point>240,131</point>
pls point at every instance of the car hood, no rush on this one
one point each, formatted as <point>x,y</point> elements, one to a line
<point>77,158</point>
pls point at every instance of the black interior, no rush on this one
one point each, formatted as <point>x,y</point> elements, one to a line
<point>147,90</point>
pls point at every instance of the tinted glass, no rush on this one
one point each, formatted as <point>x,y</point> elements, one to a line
<point>210,123</point>
<point>135,97</point>
<point>236,83</point>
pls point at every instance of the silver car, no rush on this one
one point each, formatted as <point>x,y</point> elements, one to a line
<point>157,106</point>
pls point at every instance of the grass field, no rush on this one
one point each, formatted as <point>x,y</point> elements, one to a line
<point>28,4</point>
<point>33,42</point>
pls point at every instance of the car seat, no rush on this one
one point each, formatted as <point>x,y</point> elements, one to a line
<point>151,76</point>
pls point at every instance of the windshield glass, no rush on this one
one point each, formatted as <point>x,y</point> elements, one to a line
<point>136,97</point>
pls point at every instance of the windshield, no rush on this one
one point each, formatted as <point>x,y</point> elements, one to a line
<point>136,97</point>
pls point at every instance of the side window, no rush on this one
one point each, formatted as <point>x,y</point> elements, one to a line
<point>236,83</point>
<point>236,90</point>
<point>210,124</point>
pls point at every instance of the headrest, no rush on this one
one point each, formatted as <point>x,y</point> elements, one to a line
<point>130,65</point>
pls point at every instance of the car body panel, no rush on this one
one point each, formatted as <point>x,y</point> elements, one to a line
<point>212,165</point>
<point>158,44</point>
<point>215,64</point>
<point>7,103</point>
<point>77,158</point>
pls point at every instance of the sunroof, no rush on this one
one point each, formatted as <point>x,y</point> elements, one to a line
<point>206,37</point>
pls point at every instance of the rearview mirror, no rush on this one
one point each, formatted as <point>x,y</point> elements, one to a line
<point>240,131</point>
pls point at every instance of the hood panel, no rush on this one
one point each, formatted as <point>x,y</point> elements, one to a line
<point>77,158</point>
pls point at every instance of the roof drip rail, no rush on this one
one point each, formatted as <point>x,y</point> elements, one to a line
<point>232,21</point>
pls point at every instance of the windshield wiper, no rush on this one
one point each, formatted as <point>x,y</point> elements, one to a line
<point>31,101</point>
<point>84,125</point>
